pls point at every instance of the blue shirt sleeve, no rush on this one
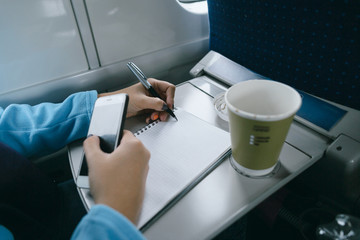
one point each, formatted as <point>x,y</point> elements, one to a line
<point>5,234</point>
<point>103,222</point>
<point>46,127</point>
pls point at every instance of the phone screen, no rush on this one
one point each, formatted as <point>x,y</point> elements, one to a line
<point>106,123</point>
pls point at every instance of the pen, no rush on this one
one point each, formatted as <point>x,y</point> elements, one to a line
<point>143,79</point>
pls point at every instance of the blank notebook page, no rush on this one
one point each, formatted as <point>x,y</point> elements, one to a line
<point>180,152</point>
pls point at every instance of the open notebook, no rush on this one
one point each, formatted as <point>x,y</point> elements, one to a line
<point>182,153</point>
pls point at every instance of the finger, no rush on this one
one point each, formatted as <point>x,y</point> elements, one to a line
<point>154,116</point>
<point>165,89</point>
<point>126,142</point>
<point>170,94</point>
<point>127,135</point>
<point>159,84</point>
<point>163,116</point>
<point>91,144</point>
<point>152,103</point>
<point>129,139</point>
<point>92,149</point>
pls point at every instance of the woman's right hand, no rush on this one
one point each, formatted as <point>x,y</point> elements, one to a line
<point>118,179</point>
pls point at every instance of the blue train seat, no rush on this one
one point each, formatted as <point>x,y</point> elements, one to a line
<point>311,46</point>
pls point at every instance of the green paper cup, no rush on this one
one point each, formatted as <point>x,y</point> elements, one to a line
<point>260,114</point>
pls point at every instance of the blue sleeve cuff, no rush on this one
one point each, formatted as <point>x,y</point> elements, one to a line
<point>103,222</point>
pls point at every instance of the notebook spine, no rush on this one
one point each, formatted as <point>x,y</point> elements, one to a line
<point>147,127</point>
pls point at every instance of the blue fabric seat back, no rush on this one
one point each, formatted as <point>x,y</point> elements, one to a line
<point>310,45</point>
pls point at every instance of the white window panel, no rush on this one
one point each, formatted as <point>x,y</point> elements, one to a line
<point>39,42</point>
<point>124,29</point>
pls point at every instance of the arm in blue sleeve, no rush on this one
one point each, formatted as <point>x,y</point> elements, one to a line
<point>46,127</point>
<point>5,234</point>
<point>103,222</point>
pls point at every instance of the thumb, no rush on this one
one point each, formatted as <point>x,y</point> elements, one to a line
<point>92,149</point>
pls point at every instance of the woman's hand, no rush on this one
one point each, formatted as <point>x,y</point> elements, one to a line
<point>140,99</point>
<point>118,179</point>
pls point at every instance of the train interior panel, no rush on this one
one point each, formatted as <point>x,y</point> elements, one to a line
<point>51,49</point>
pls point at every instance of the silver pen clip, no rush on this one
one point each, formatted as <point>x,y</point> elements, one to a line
<point>139,74</point>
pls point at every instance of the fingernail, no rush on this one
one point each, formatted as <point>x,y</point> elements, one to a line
<point>155,117</point>
<point>165,107</point>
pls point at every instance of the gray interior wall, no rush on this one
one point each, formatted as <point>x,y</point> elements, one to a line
<point>56,47</point>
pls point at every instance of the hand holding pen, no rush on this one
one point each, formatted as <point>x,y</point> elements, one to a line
<point>164,89</point>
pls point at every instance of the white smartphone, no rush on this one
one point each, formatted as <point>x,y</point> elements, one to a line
<point>107,122</point>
